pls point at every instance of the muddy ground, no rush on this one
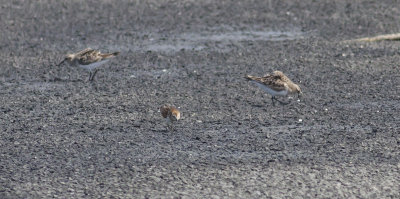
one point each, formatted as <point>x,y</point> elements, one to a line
<point>64,137</point>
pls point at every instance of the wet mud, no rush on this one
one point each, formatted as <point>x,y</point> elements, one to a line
<point>64,137</point>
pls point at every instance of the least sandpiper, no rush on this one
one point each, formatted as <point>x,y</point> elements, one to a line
<point>88,59</point>
<point>171,114</point>
<point>277,84</point>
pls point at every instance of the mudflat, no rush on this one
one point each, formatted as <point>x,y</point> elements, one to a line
<point>64,137</point>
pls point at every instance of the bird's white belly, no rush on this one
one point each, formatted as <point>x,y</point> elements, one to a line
<point>93,65</point>
<point>271,91</point>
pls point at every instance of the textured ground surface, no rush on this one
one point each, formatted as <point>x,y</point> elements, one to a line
<point>66,138</point>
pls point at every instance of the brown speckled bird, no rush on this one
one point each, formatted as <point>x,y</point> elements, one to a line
<point>277,84</point>
<point>171,114</point>
<point>88,59</point>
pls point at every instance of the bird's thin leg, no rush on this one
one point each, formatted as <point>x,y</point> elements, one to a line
<point>95,71</point>
<point>172,126</point>
<point>90,76</point>
<point>273,102</point>
<point>168,125</point>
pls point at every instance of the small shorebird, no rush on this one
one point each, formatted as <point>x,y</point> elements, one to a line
<point>277,84</point>
<point>171,114</point>
<point>88,59</point>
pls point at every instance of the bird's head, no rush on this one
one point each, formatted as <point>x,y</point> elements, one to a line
<point>298,90</point>
<point>176,115</point>
<point>68,58</point>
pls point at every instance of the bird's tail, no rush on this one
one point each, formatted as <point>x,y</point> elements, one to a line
<point>109,55</point>
<point>249,77</point>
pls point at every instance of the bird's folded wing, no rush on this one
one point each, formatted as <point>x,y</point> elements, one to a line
<point>164,111</point>
<point>277,85</point>
<point>89,57</point>
<point>271,81</point>
<point>85,51</point>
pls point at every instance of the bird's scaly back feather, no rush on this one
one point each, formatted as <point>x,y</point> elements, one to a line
<point>272,81</point>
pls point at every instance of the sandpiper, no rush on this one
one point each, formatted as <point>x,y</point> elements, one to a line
<point>171,114</point>
<point>277,84</point>
<point>88,59</point>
